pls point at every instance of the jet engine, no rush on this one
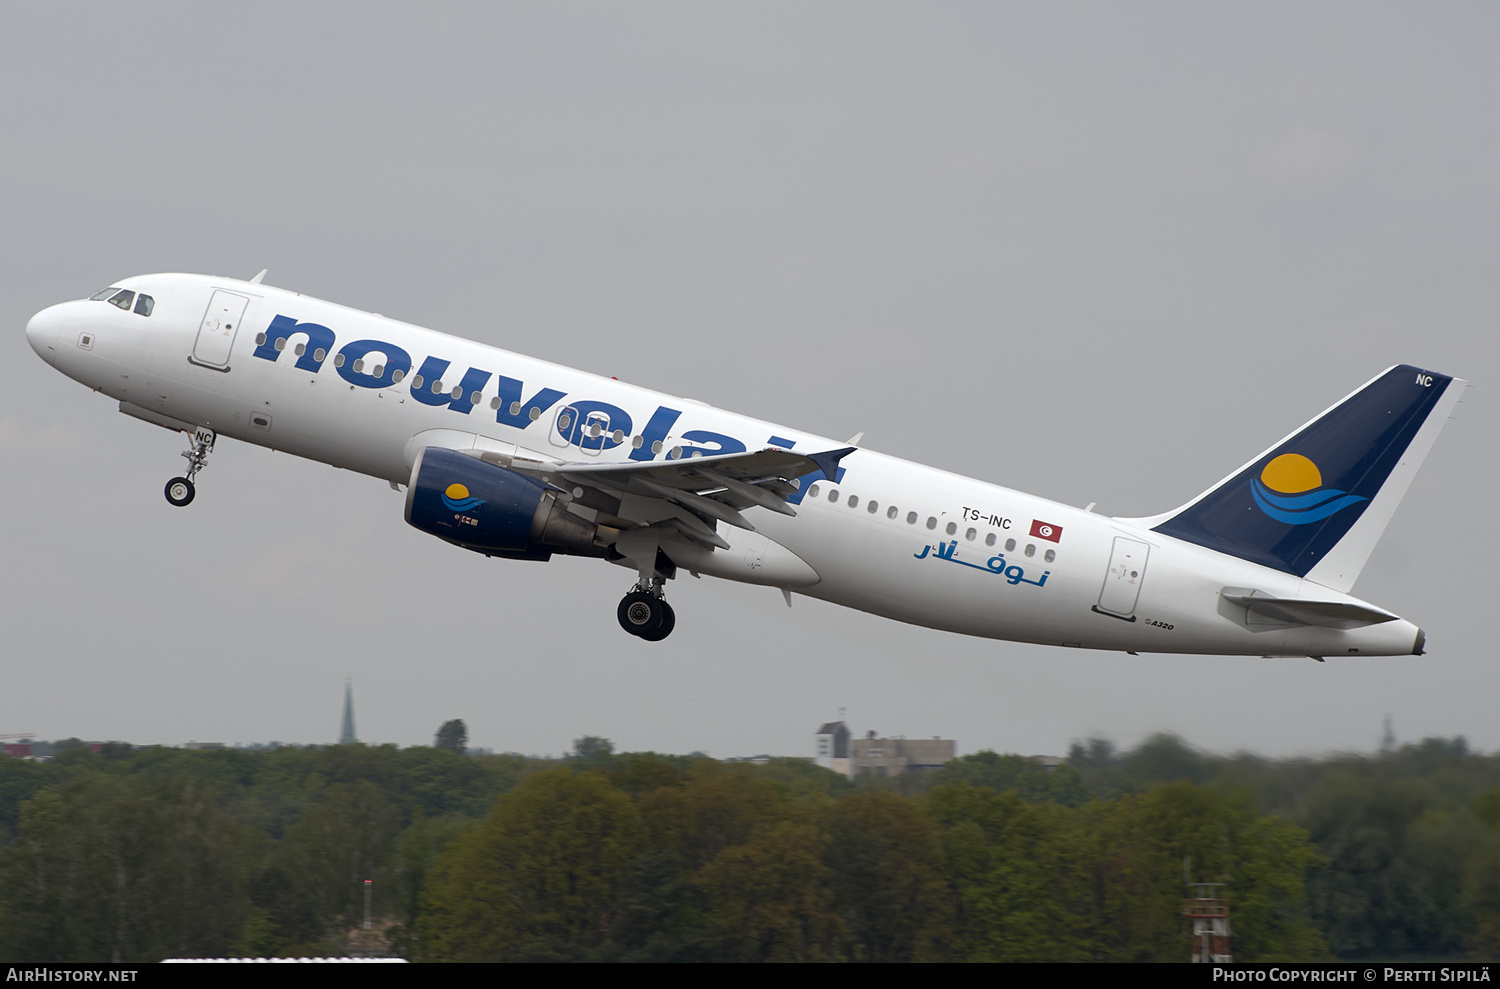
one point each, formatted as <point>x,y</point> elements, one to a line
<point>492,510</point>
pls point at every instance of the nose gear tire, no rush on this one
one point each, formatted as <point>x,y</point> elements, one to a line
<point>180,491</point>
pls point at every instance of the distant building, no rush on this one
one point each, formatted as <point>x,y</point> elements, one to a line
<point>833,747</point>
<point>872,756</point>
<point>36,751</point>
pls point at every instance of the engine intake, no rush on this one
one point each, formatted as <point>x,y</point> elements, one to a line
<point>491,509</point>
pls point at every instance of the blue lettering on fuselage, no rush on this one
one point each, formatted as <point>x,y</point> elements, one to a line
<point>356,356</point>
<point>592,424</point>
<point>723,444</point>
<point>280,333</point>
<point>655,432</point>
<point>430,390</point>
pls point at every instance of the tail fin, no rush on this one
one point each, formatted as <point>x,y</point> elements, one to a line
<point>1316,503</point>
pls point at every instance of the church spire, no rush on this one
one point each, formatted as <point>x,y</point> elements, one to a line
<point>346,735</point>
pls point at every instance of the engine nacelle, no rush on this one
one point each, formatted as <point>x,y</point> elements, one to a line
<point>491,509</point>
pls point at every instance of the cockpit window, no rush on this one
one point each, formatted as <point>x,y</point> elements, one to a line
<point>104,294</point>
<point>144,304</point>
<point>123,299</point>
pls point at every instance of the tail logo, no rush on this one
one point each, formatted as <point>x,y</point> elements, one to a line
<point>1290,489</point>
<point>457,498</point>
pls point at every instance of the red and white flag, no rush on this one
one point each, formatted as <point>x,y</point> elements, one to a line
<point>1046,530</point>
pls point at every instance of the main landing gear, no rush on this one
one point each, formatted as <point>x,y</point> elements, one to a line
<point>180,490</point>
<point>644,612</point>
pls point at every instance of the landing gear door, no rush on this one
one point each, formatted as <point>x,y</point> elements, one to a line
<point>217,331</point>
<point>1122,584</point>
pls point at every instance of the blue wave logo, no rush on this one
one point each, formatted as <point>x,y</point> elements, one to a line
<point>1290,489</point>
<point>457,498</point>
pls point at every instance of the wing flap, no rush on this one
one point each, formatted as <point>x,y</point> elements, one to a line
<point>712,488</point>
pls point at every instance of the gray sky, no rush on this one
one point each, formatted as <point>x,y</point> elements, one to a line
<point>1099,252</point>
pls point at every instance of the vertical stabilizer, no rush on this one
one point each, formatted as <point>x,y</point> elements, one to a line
<point>1316,503</point>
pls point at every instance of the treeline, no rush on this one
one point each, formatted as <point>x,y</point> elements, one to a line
<point>138,854</point>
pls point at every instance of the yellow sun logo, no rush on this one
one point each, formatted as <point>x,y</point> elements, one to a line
<point>1291,473</point>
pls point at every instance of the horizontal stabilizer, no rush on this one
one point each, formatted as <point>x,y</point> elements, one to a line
<point>1262,611</point>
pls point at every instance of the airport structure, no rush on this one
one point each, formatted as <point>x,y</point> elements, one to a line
<point>874,756</point>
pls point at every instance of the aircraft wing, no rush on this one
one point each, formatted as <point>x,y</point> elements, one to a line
<point>709,489</point>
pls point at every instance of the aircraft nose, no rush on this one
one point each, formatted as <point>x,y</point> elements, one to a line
<point>41,333</point>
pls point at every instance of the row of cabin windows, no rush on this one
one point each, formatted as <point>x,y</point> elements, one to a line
<point>123,297</point>
<point>892,512</point>
<point>592,430</point>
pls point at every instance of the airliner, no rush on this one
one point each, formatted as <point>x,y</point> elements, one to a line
<point>521,460</point>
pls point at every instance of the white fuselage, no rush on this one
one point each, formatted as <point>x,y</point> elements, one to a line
<point>901,540</point>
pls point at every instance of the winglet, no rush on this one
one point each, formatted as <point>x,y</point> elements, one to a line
<point>257,278</point>
<point>828,462</point>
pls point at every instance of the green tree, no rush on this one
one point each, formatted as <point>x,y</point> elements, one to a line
<point>111,869</point>
<point>1029,778</point>
<point>453,736</point>
<point>770,898</point>
<point>887,879</point>
<point>543,878</point>
<point>1020,874</point>
<point>592,748</point>
<point>349,837</point>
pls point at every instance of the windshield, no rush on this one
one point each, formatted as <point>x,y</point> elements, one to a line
<point>123,297</point>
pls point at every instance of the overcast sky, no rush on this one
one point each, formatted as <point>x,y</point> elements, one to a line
<point>1099,252</point>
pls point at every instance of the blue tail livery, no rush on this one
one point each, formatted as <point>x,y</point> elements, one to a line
<point>1292,507</point>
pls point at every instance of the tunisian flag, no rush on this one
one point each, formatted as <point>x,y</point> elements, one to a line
<point>1046,530</point>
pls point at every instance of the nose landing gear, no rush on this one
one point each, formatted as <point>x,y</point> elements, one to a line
<point>645,613</point>
<point>180,490</point>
